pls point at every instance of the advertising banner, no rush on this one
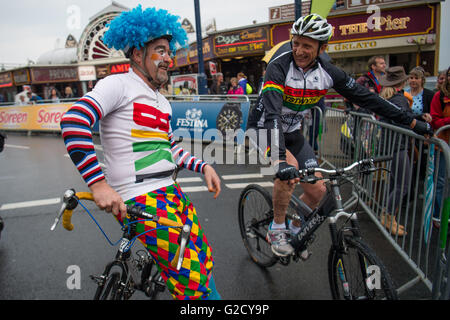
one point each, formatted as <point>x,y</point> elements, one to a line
<point>208,120</point>
<point>35,117</point>
<point>185,84</point>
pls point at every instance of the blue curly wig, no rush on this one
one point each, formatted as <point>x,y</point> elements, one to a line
<point>136,27</point>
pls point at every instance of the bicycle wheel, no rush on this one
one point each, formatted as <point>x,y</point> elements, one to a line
<point>356,273</point>
<point>255,214</point>
<point>109,291</point>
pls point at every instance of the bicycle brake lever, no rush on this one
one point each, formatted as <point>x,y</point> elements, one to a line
<point>185,232</point>
<point>68,195</point>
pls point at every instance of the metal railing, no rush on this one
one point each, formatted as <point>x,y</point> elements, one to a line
<point>405,197</point>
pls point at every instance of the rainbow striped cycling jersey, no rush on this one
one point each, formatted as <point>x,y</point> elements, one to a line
<point>138,146</point>
<point>289,93</point>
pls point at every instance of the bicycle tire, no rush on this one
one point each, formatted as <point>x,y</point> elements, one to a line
<point>350,282</point>
<point>108,291</point>
<point>255,213</point>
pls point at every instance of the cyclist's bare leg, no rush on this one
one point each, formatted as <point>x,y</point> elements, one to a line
<point>282,192</point>
<point>313,193</point>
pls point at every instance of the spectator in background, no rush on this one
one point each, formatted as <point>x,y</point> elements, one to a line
<point>218,86</point>
<point>68,93</point>
<point>421,96</point>
<point>370,80</point>
<point>33,98</point>
<point>243,83</point>
<point>54,96</point>
<point>393,83</point>
<point>440,80</point>
<point>440,114</point>
<point>235,87</point>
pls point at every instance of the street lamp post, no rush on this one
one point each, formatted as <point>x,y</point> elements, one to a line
<point>202,85</point>
<point>298,9</point>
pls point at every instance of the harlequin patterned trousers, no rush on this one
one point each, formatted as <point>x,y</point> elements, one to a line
<point>192,281</point>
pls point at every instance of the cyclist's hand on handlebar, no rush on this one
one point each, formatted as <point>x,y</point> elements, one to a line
<point>106,198</point>
<point>287,172</point>
<point>212,180</point>
<point>422,128</point>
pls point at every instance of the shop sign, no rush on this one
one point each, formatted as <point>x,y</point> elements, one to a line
<point>6,80</point>
<point>393,23</point>
<point>207,52</point>
<point>241,42</point>
<point>120,68</point>
<point>287,11</point>
<point>181,57</point>
<point>361,3</point>
<point>21,77</point>
<point>376,44</point>
<point>102,71</point>
<point>65,74</point>
<point>87,73</point>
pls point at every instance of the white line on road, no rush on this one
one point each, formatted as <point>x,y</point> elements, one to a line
<point>242,176</point>
<point>26,204</point>
<point>194,189</point>
<point>16,146</point>
<point>243,185</point>
<point>189,179</point>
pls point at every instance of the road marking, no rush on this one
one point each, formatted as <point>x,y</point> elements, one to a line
<point>243,185</point>
<point>189,179</point>
<point>26,204</point>
<point>194,189</point>
<point>16,146</point>
<point>242,176</point>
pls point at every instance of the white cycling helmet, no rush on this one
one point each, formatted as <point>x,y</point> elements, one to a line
<point>314,27</point>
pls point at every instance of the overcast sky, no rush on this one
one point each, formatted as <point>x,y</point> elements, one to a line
<point>29,28</point>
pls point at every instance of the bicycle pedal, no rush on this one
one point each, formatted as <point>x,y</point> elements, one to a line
<point>97,279</point>
<point>305,255</point>
<point>251,235</point>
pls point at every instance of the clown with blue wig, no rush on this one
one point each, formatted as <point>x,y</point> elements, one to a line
<point>139,148</point>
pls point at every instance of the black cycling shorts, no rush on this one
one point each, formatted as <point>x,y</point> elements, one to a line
<point>300,149</point>
<point>295,143</point>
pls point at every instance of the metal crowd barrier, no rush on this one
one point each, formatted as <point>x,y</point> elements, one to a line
<point>407,194</point>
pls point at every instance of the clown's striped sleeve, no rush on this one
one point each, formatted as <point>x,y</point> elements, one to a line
<point>184,159</point>
<point>76,130</point>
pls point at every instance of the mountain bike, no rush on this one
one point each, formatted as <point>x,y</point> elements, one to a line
<point>354,270</point>
<point>126,274</point>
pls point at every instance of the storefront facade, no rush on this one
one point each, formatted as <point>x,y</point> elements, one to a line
<point>405,35</point>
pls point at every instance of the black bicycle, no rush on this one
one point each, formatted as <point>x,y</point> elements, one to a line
<point>126,274</point>
<point>354,270</point>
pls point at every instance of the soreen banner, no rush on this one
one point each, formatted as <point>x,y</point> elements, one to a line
<point>36,117</point>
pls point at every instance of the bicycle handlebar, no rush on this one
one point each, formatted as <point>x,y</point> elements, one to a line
<point>70,202</point>
<point>340,171</point>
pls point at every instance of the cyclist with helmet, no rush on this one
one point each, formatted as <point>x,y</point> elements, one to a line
<point>139,149</point>
<point>295,80</point>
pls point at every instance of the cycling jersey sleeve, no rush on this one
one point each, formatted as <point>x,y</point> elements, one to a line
<point>350,89</point>
<point>76,127</point>
<point>184,159</point>
<point>272,99</point>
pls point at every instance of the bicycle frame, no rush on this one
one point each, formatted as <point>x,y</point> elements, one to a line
<point>330,208</point>
<point>127,281</point>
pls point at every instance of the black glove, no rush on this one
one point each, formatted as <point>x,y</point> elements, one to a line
<point>423,128</point>
<point>286,172</point>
